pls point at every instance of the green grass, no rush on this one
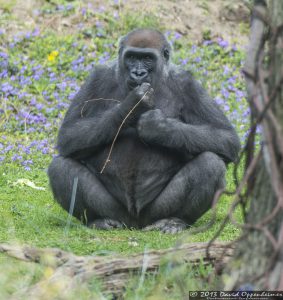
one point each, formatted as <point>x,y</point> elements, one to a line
<point>31,216</point>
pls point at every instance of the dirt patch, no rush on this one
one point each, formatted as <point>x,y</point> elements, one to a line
<point>192,18</point>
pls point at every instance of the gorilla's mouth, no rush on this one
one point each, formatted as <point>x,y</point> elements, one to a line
<point>134,83</point>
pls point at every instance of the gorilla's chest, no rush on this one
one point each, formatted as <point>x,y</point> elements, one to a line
<point>167,103</point>
<point>136,172</point>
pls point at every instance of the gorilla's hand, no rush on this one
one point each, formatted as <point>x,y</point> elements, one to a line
<point>152,126</point>
<point>145,92</point>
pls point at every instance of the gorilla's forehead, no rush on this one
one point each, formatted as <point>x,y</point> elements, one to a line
<point>145,39</point>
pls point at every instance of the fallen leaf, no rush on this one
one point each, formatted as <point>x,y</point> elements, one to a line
<point>27,182</point>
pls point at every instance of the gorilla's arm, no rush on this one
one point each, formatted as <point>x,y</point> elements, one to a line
<point>203,127</point>
<point>80,135</point>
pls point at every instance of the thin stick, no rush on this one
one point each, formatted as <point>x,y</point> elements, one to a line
<point>118,131</point>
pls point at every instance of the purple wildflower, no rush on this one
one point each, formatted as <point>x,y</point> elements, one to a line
<point>84,11</point>
<point>177,35</point>
<point>222,43</point>
<point>207,42</point>
<point>16,157</point>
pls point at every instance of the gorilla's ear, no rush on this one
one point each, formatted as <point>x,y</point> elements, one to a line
<point>166,53</point>
<point>121,44</point>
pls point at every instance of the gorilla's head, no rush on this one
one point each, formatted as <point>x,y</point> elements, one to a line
<point>143,57</point>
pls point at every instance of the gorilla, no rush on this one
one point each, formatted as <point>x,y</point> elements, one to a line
<point>148,146</point>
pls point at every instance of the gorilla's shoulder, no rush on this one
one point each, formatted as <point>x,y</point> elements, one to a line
<point>182,76</point>
<point>190,88</point>
<point>103,72</point>
<point>98,84</point>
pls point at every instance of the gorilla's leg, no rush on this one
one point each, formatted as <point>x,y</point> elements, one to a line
<point>188,195</point>
<point>93,203</point>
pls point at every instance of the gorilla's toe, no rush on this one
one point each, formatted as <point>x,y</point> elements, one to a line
<point>170,225</point>
<point>106,224</point>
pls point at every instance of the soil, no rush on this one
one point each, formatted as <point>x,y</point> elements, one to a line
<point>192,18</point>
<point>228,19</point>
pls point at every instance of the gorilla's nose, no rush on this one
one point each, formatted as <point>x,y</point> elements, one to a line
<point>139,74</point>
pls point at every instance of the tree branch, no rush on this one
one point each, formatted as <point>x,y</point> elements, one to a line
<point>114,271</point>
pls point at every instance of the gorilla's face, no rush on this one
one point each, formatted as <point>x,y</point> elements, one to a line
<point>141,65</point>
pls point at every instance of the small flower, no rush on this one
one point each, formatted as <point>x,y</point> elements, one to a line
<point>45,150</point>
<point>52,56</point>
<point>222,43</point>
<point>16,157</point>
<point>226,70</point>
<point>184,61</point>
<point>177,35</point>
<point>84,11</point>
<point>116,15</point>
<point>193,49</point>
<point>69,7</point>
<point>98,24</point>
<point>207,42</point>
<point>197,59</point>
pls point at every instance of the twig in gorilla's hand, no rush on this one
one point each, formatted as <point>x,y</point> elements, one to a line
<point>118,131</point>
<point>87,101</point>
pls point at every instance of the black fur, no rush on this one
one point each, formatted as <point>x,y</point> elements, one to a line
<point>169,158</point>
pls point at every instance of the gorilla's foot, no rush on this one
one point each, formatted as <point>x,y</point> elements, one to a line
<point>170,225</point>
<point>106,224</point>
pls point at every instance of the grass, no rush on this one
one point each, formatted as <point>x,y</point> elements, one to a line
<point>40,71</point>
<point>31,216</point>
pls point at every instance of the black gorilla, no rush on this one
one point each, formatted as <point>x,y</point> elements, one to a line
<point>169,157</point>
